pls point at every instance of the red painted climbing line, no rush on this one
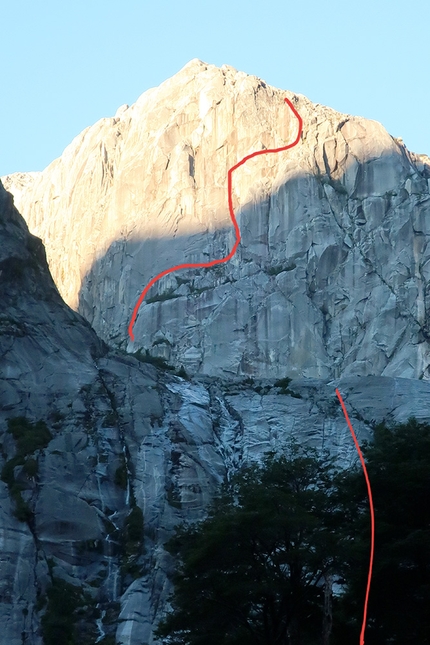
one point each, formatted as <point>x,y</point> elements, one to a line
<point>226,259</point>
<point>372,516</point>
<point>233,219</point>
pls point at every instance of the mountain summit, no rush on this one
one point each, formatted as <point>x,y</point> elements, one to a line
<point>331,275</point>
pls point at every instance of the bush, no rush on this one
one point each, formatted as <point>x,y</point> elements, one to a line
<point>257,569</point>
<point>283,384</point>
<point>134,525</point>
<point>22,512</point>
<point>58,623</point>
<point>398,465</point>
<point>153,360</point>
<point>182,373</point>
<point>29,436</point>
<point>31,467</point>
<point>7,474</point>
<point>121,478</point>
<point>167,295</point>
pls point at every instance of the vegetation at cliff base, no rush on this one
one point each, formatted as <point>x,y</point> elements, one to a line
<point>256,570</point>
<point>283,555</point>
<point>58,621</point>
<point>398,464</point>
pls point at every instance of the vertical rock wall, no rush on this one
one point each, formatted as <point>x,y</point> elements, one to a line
<point>331,277</point>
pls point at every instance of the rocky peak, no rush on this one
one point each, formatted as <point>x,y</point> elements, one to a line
<point>331,274</point>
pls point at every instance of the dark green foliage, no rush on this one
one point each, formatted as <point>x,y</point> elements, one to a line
<point>167,295</point>
<point>22,512</point>
<point>182,373</point>
<point>41,601</point>
<point>161,341</point>
<point>7,474</point>
<point>161,363</point>
<point>262,390</point>
<point>196,291</point>
<point>31,467</point>
<point>69,613</point>
<point>121,478</point>
<point>153,360</point>
<point>133,535</point>
<point>180,280</point>
<point>248,381</point>
<point>110,419</point>
<point>58,622</point>
<point>398,464</point>
<point>283,384</point>
<point>249,573</point>
<point>29,436</point>
<point>134,525</point>
<point>57,417</point>
<point>109,527</point>
<point>338,186</point>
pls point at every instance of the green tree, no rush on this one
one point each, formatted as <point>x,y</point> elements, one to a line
<point>258,570</point>
<point>58,621</point>
<point>398,464</point>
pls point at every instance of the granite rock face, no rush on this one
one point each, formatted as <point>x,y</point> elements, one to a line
<point>100,435</point>
<point>329,286</point>
<point>331,276</point>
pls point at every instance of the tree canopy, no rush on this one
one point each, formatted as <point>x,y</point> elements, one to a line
<point>398,465</point>
<point>255,571</point>
<point>261,568</point>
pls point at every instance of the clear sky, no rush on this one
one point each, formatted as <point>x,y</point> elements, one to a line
<point>65,64</point>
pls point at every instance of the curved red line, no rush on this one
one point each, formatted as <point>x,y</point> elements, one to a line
<point>226,259</point>
<point>233,219</point>
<point>372,515</point>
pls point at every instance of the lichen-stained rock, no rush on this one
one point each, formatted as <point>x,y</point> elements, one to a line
<point>330,278</point>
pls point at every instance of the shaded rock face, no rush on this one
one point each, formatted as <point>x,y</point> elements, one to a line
<point>331,276</point>
<point>92,440</point>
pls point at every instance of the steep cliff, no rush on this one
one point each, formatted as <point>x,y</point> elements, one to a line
<point>101,452</point>
<point>102,455</point>
<point>331,277</point>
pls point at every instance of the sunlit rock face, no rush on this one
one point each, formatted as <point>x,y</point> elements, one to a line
<point>331,274</point>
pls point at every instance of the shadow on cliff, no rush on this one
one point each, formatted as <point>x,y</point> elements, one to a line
<point>306,229</point>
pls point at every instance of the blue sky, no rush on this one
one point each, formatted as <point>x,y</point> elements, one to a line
<point>64,65</point>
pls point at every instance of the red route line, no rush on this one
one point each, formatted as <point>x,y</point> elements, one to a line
<point>372,515</point>
<point>233,219</point>
<point>226,259</point>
